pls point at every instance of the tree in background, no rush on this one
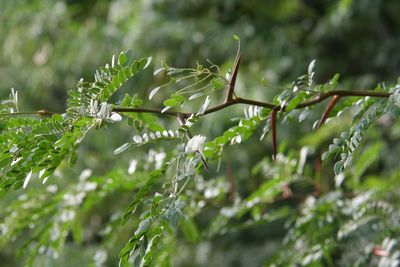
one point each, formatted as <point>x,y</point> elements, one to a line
<point>192,177</point>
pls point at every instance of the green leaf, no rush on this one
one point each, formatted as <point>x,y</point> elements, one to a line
<point>58,118</point>
<point>170,102</point>
<point>129,56</point>
<point>126,251</point>
<point>155,127</point>
<point>393,110</point>
<point>334,81</point>
<point>137,102</point>
<point>217,84</point>
<point>17,185</point>
<point>178,98</point>
<point>150,249</point>
<point>122,59</point>
<point>44,145</point>
<point>126,102</point>
<point>144,226</point>
<point>116,82</point>
<point>338,167</point>
<point>295,101</point>
<point>121,76</point>
<point>72,159</point>
<point>221,140</point>
<point>174,219</point>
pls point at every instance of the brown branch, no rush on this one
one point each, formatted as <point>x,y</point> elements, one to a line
<point>321,97</point>
<point>41,112</point>
<point>151,110</point>
<point>342,93</point>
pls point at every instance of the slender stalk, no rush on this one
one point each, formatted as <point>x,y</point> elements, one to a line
<point>193,84</point>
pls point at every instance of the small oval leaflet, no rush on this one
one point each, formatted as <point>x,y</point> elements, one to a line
<point>204,107</point>
<point>165,109</point>
<point>197,95</point>
<point>115,117</point>
<point>137,139</point>
<point>145,137</point>
<point>153,92</point>
<point>13,149</point>
<point>121,148</point>
<point>158,71</point>
<point>311,67</point>
<point>170,102</point>
<point>27,179</point>
<point>149,59</point>
<point>113,61</point>
<point>122,59</point>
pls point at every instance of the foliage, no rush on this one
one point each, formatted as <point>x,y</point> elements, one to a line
<point>176,175</point>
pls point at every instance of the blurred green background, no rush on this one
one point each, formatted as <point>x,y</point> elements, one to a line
<point>46,46</point>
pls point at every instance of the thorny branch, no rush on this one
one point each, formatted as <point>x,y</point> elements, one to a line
<point>231,100</point>
<point>235,101</point>
<point>321,97</point>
